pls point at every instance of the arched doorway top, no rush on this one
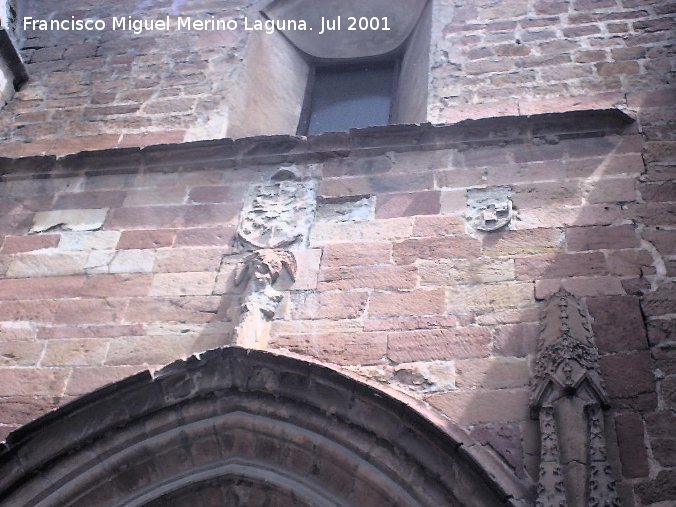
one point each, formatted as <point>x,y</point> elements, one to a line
<point>245,427</point>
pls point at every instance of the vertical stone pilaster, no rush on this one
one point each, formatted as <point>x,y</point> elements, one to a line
<point>568,397</point>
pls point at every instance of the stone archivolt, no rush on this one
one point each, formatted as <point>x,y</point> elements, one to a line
<point>568,397</point>
<point>242,427</point>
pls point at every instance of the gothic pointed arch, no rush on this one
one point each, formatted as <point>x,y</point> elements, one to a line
<point>241,427</point>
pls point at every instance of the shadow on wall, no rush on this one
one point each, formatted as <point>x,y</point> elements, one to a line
<point>574,228</point>
<point>570,230</point>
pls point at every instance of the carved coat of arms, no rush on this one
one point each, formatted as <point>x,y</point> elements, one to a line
<point>489,209</point>
<point>277,214</point>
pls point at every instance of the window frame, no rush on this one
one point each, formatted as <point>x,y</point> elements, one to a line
<point>393,60</point>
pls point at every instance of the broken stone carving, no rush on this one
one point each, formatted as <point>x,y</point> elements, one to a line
<point>489,209</point>
<point>278,213</point>
<point>358,208</point>
<point>259,274</point>
<point>568,397</point>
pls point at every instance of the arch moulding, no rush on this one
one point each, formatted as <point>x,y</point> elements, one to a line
<point>242,427</point>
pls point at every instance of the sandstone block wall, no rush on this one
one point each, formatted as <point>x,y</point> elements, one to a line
<point>116,261</point>
<point>487,58</point>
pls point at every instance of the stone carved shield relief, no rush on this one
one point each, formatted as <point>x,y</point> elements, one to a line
<point>278,213</point>
<point>489,209</point>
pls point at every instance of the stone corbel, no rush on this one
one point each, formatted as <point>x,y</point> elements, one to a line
<point>568,398</point>
<point>259,274</point>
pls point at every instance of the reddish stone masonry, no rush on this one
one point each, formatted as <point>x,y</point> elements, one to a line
<point>143,273</point>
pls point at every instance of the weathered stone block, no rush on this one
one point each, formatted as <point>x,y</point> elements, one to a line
<point>523,242</point>
<point>342,209</point>
<point>20,244</point>
<point>23,409</point>
<point>544,218</point>
<point>365,185</point>
<point>80,352</point>
<point>132,261</point>
<point>90,200</point>
<point>69,220</point>
<point>465,272</point>
<point>630,440</point>
<point>178,260</point>
<point>618,323</point>
<point>664,451</point>
<point>325,326</point>
<point>438,344</point>
<point>409,204</point>
<point>435,226</point>
<point>94,240</point>
<point>372,277</point>
<point>488,298</point>
<point>28,311</point>
<point>668,392</point>
<point>182,284</point>
<point>116,285</point>
<point>432,376</point>
<point>628,375</point>
<point>33,381</point>
<point>505,405</point>
<point>580,286</point>
<point>195,309</point>
<point>152,350</point>
<point>660,302</point>
<point>40,288</point>
<point>307,268</point>
<point>84,380</point>
<point>505,439</point>
<point>601,238</point>
<point>630,262</point>
<point>610,190</point>
<point>210,236</point>
<point>89,311</point>
<point>492,373</point>
<point>560,266</point>
<point>327,305</point>
<point>660,489</point>
<point>409,323</point>
<point>47,264</point>
<point>364,253</point>
<point>459,247</point>
<point>380,230</point>
<point>415,302</point>
<point>20,353</point>
<point>518,340</point>
<point>146,239</point>
<point>340,348</point>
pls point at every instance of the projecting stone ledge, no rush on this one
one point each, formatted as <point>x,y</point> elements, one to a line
<point>281,149</point>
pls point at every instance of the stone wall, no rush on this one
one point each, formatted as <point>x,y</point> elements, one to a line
<point>520,56</point>
<point>112,88</point>
<point>119,260</point>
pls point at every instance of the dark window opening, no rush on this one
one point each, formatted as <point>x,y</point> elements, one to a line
<point>344,97</point>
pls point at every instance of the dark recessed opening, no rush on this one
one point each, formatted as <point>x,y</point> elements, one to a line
<point>345,97</point>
